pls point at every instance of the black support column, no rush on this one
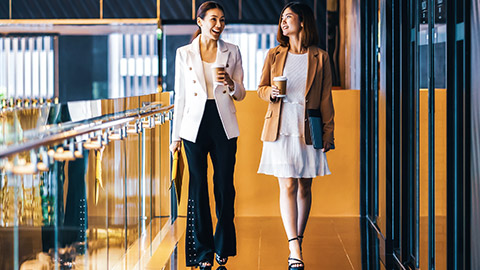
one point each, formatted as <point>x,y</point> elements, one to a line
<point>458,134</point>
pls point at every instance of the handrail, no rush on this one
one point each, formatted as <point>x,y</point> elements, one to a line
<point>81,130</point>
<point>69,125</point>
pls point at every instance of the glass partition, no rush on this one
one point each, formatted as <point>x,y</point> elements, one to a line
<point>27,66</point>
<point>424,72</point>
<point>382,118</point>
<point>423,133</point>
<point>72,62</point>
<point>475,135</point>
<point>433,151</point>
<point>440,145</point>
<point>80,183</point>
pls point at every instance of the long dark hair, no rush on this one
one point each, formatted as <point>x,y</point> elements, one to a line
<point>305,14</point>
<point>202,11</point>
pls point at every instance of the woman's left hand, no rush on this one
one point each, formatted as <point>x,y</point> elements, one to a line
<point>326,147</point>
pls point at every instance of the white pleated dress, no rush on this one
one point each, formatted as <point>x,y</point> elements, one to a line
<point>289,156</point>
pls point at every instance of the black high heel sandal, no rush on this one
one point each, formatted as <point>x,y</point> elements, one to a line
<point>294,261</point>
<point>221,260</point>
<point>205,265</point>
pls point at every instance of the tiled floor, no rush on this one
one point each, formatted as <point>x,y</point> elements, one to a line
<point>330,243</point>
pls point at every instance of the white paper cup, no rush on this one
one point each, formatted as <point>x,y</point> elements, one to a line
<point>216,68</point>
<point>281,83</point>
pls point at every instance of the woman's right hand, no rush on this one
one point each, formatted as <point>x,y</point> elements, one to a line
<point>175,146</point>
<point>274,93</point>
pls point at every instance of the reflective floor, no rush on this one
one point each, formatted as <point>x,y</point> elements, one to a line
<point>330,243</point>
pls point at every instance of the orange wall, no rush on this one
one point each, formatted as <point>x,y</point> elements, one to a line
<point>337,194</point>
<point>440,152</point>
<point>333,195</point>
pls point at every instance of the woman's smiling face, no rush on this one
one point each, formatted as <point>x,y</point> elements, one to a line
<point>290,23</point>
<point>213,23</point>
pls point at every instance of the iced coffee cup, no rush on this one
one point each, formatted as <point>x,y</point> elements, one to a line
<point>281,83</point>
<point>216,69</point>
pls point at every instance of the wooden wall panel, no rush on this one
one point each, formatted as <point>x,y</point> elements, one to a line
<point>4,9</point>
<point>261,11</point>
<point>133,9</point>
<point>48,9</point>
<point>176,10</point>
<point>230,6</point>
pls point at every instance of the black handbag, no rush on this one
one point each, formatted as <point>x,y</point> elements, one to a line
<point>316,128</point>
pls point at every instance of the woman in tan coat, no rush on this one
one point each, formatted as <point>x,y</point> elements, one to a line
<point>288,152</point>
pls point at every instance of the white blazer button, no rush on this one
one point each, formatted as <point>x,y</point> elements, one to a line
<point>194,81</point>
<point>190,68</point>
<point>195,94</point>
<point>224,92</point>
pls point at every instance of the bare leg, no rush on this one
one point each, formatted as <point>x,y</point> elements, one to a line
<point>288,210</point>
<point>304,203</point>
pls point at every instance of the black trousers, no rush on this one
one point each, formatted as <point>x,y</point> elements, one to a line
<point>201,244</point>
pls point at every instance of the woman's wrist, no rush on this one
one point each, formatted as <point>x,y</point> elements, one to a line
<point>231,87</point>
<point>272,98</point>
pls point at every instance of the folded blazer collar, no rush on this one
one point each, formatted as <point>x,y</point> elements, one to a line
<point>221,58</point>
<point>221,46</point>
<point>281,56</point>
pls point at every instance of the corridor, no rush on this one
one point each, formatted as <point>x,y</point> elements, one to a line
<point>90,91</point>
<point>330,243</point>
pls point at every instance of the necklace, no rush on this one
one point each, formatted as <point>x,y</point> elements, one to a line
<point>302,51</point>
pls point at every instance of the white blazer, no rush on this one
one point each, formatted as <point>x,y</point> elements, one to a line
<point>191,91</point>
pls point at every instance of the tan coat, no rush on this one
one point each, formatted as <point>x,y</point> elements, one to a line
<point>318,94</point>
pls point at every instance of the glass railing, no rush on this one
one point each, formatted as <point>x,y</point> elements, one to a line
<point>84,185</point>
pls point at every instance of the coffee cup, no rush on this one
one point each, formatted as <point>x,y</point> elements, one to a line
<point>281,83</point>
<point>216,68</point>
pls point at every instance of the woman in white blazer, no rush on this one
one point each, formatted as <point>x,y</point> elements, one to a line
<point>205,120</point>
